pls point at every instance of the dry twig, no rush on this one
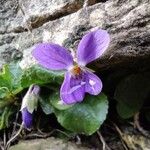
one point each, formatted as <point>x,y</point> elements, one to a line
<point>13,138</point>
<point>121,135</point>
<point>105,146</point>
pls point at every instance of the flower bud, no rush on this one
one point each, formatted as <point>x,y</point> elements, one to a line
<point>29,104</point>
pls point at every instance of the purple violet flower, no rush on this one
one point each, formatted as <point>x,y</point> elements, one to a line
<point>78,79</point>
<point>27,118</point>
<point>29,104</point>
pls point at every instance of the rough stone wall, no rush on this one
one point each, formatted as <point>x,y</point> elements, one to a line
<point>47,144</point>
<point>25,23</point>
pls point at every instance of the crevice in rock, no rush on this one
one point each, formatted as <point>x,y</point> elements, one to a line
<point>38,21</point>
<point>69,8</point>
<point>101,1</point>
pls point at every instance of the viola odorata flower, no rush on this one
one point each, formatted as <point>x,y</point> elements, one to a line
<point>78,78</point>
<point>29,104</point>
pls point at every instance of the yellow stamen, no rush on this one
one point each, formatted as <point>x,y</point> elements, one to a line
<point>76,70</point>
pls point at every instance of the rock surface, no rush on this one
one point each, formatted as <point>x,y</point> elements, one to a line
<point>47,144</point>
<point>26,23</point>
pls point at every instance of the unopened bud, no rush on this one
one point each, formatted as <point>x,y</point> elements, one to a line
<point>29,104</point>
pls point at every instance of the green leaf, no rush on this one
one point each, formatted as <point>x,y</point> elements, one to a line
<point>131,93</point>
<point>4,117</point>
<point>86,117</point>
<point>10,84</point>
<point>15,74</point>
<point>40,76</point>
<point>45,105</point>
<point>10,76</point>
<point>50,101</point>
<point>55,101</point>
<point>5,78</point>
<point>125,111</point>
<point>4,91</point>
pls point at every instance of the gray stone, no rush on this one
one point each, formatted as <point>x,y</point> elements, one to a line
<point>35,13</point>
<point>128,23</point>
<point>8,10</point>
<point>16,17</point>
<point>47,144</point>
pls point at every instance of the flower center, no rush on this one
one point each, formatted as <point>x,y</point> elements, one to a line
<point>76,70</point>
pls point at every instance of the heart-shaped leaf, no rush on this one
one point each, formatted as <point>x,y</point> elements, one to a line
<point>131,93</point>
<point>40,76</point>
<point>85,117</point>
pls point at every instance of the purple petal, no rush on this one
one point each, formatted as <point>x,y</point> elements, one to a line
<point>72,89</point>
<point>92,46</point>
<point>27,118</point>
<point>36,89</point>
<point>52,56</point>
<point>93,84</point>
